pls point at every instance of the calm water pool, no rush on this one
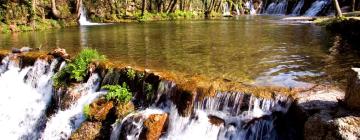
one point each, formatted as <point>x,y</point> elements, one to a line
<point>258,50</point>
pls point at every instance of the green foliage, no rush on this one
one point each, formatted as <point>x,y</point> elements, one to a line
<point>120,94</point>
<point>131,74</point>
<point>25,28</point>
<point>149,90</point>
<point>77,68</point>
<point>86,111</point>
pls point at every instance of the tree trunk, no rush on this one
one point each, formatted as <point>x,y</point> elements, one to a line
<point>172,9</point>
<point>78,6</point>
<point>143,7</point>
<point>353,6</point>
<point>337,7</point>
<point>54,10</point>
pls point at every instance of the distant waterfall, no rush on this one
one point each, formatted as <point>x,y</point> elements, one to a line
<point>226,11</point>
<point>83,21</point>
<point>316,7</point>
<point>237,10</point>
<point>250,5</point>
<point>297,9</point>
<point>25,94</point>
<point>277,8</point>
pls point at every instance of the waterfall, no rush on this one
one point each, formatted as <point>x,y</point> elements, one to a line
<point>64,122</point>
<point>25,94</point>
<point>238,116</point>
<point>297,9</point>
<point>135,122</point>
<point>316,7</point>
<point>243,117</point>
<point>277,8</point>
<point>83,21</point>
<point>226,11</point>
<point>237,10</point>
<point>249,5</point>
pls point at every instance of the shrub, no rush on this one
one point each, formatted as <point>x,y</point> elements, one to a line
<point>131,74</point>
<point>120,94</point>
<point>77,68</point>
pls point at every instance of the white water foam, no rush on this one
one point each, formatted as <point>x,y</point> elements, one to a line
<point>83,21</point>
<point>63,123</point>
<point>316,8</point>
<point>23,102</point>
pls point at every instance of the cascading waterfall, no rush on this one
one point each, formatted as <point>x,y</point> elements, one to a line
<point>133,121</point>
<point>316,7</point>
<point>239,116</point>
<point>25,94</point>
<point>242,117</point>
<point>297,9</point>
<point>83,21</point>
<point>63,123</point>
<point>277,8</point>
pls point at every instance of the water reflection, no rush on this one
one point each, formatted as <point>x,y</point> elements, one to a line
<point>258,49</point>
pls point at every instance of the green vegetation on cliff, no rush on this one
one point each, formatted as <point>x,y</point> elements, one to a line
<point>77,69</point>
<point>120,94</point>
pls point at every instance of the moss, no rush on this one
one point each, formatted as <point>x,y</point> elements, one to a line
<point>86,111</point>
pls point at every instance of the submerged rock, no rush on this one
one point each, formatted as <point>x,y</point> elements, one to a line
<point>23,49</point>
<point>87,131</point>
<point>59,52</point>
<point>352,96</point>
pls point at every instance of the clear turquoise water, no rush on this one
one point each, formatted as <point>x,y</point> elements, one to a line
<point>258,50</point>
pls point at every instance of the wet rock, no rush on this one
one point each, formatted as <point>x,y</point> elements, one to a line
<point>327,125</point>
<point>154,126</point>
<point>100,109</point>
<point>123,110</point>
<point>352,94</point>
<point>319,98</point>
<point>87,131</point>
<point>111,78</point>
<point>23,49</point>
<point>318,126</point>
<point>59,52</point>
<point>69,97</point>
<point>216,120</point>
<point>348,127</point>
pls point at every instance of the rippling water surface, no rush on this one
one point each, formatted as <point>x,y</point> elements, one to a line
<point>258,50</point>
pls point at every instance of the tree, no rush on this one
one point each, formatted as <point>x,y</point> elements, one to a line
<point>54,10</point>
<point>337,7</point>
<point>353,6</point>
